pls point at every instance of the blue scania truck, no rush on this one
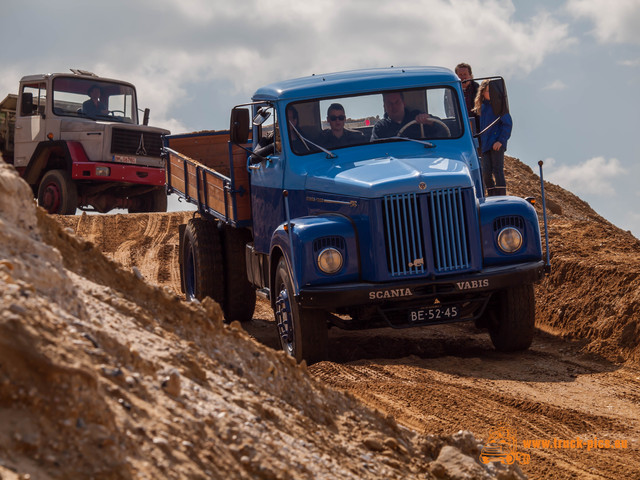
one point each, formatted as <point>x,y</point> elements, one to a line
<point>316,201</point>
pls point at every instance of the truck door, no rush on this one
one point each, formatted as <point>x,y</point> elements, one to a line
<point>30,121</point>
<point>267,204</point>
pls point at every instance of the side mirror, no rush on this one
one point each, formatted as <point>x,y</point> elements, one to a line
<point>261,116</point>
<point>145,119</point>
<point>239,125</point>
<point>498,96</point>
<point>26,106</point>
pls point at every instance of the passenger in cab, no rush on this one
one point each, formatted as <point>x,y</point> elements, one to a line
<point>337,135</point>
<point>299,139</point>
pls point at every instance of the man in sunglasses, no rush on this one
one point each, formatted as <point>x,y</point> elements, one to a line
<point>337,135</point>
<point>397,115</point>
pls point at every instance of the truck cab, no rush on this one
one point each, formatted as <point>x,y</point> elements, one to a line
<point>77,151</point>
<point>385,224</point>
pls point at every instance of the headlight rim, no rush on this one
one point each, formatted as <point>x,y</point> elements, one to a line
<point>321,256</point>
<point>504,246</point>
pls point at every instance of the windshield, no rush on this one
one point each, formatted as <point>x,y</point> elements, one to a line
<point>338,122</point>
<point>89,98</point>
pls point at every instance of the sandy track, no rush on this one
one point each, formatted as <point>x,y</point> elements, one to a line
<point>458,382</point>
<point>448,378</point>
<point>148,242</point>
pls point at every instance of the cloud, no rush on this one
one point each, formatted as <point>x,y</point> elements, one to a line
<point>549,163</point>
<point>172,49</point>
<point>556,85</point>
<point>630,63</point>
<point>594,176</point>
<point>614,21</point>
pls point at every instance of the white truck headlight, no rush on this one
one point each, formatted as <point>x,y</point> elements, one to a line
<point>330,260</point>
<point>509,240</point>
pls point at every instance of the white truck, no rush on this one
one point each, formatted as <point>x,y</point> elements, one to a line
<point>77,139</point>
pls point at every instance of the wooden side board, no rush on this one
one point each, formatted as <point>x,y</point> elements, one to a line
<point>204,172</point>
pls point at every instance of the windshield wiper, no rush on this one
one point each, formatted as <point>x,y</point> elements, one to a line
<point>306,141</point>
<point>421,142</point>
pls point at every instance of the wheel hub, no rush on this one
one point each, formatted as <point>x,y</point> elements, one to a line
<point>51,198</point>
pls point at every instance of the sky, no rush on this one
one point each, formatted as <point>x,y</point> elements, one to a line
<point>572,67</point>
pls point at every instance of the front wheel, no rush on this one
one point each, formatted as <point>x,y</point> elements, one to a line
<point>513,318</point>
<point>303,332</point>
<point>58,193</point>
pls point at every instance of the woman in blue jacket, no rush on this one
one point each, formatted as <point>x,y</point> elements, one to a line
<point>493,142</point>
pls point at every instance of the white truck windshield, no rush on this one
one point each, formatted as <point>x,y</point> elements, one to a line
<point>95,99</point>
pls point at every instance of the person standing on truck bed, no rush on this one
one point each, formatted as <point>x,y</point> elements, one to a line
<point>469,86</point>
<point>493,142</point>
<point>337,135</point>
<point>396,116</point>
<point>94,106</point>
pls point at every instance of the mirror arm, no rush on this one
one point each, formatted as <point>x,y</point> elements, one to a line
<point>252,153</point>
<point>477,135</point>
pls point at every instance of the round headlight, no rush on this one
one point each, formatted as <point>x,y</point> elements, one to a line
<point>330,260</point>
<point>509,240</point>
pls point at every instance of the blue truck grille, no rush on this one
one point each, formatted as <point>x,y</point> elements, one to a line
<point>511,221</point>
<point>449,231</point>
<point>405,232</point>
<point>325,242</point>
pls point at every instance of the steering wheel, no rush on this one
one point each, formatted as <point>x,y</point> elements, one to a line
<point>113,112</point>
<point>434,120</point>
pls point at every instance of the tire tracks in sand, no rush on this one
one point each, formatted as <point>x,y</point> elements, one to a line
<point>439,379</point>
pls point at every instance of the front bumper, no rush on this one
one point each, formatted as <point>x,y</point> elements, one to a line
<point>370,294</point>
<point>118,172</point>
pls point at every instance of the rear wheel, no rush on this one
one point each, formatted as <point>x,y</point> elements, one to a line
<point>58,193</point>
<point>240,295</point>
<point>303,332</point>
<point>202,268</point>
<point>512,318</point>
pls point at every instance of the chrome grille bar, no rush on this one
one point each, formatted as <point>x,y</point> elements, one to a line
<point>449,233</point>
<point>404,234</point>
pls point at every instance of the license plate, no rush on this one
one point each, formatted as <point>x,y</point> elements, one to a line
<point>434,314</point>
<point>124,159</point>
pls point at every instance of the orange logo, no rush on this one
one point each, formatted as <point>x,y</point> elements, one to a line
<point>503,447</point>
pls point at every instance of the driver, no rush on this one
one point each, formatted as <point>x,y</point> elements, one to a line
<point>94,106</point>
<point>396,116</point>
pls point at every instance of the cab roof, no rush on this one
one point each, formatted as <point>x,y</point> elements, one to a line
<point>355,82</point>
<point>80,74</point>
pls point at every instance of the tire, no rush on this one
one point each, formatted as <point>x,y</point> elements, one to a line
<point>58,193</point>
<point>513,318</point>
<point>153,201</point>
<point>303,333</point>
<point>240,297</point>
<point>202,267</point>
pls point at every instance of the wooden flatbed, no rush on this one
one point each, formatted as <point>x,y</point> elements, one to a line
<point>207,170</point>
